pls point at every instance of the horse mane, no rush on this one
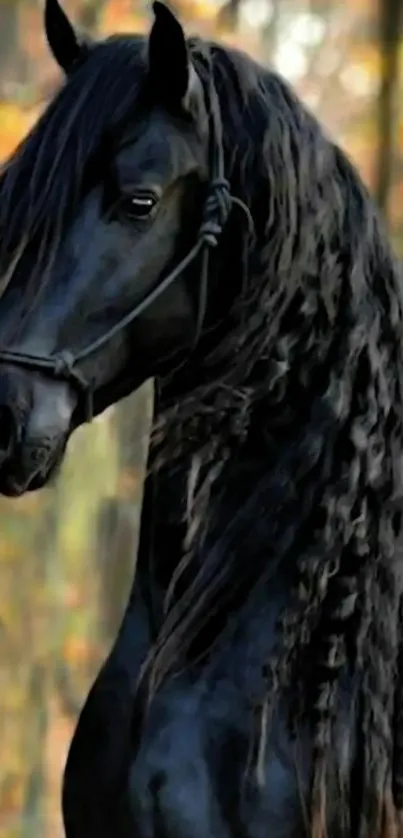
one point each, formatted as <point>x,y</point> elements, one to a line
<point>314,358</point>
<point>311,363</point>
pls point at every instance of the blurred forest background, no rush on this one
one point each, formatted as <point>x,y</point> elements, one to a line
<point>67,553</point>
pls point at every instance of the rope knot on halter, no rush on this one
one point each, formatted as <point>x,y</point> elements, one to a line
<point>216,210</point>
<point>65,368</point>
<point>64,365</point>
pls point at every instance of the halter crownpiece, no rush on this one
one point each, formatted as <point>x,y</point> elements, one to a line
<point>216,211</point>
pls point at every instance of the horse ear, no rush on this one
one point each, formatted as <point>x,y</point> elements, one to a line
<point>64,43</point>
<point>169,68</point>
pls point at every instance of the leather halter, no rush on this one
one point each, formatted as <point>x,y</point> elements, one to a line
<point>217,208</point>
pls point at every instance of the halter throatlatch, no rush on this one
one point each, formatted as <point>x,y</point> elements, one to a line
<point>217,208</point>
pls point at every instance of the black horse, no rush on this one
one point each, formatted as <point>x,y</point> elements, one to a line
<point>176,213</point>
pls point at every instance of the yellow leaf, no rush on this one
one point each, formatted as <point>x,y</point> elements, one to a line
<point>14,124</point>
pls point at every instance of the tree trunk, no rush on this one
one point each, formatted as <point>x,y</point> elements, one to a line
<point>8,41</point>
<point>390,21</point>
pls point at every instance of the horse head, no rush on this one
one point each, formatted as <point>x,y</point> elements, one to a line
<point>110,208</point>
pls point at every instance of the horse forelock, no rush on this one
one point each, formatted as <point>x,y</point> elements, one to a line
<point>43,181</point>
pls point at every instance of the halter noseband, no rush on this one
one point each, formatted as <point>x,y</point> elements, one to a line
<point>217,208</point>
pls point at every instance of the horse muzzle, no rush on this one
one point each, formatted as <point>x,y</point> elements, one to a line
<point>35,421</point>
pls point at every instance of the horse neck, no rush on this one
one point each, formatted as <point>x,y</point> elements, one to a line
<point>240,530</point>
<point>223,494</point>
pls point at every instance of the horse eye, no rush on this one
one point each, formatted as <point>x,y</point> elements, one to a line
<point>138,206</point>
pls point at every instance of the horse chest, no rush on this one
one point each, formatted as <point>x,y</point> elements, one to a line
<point>188,778</point>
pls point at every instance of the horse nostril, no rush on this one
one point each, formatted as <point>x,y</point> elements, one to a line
<point>8,433</point>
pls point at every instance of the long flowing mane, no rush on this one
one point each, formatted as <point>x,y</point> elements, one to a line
<point>310,366</point>
<point>313,367</point>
